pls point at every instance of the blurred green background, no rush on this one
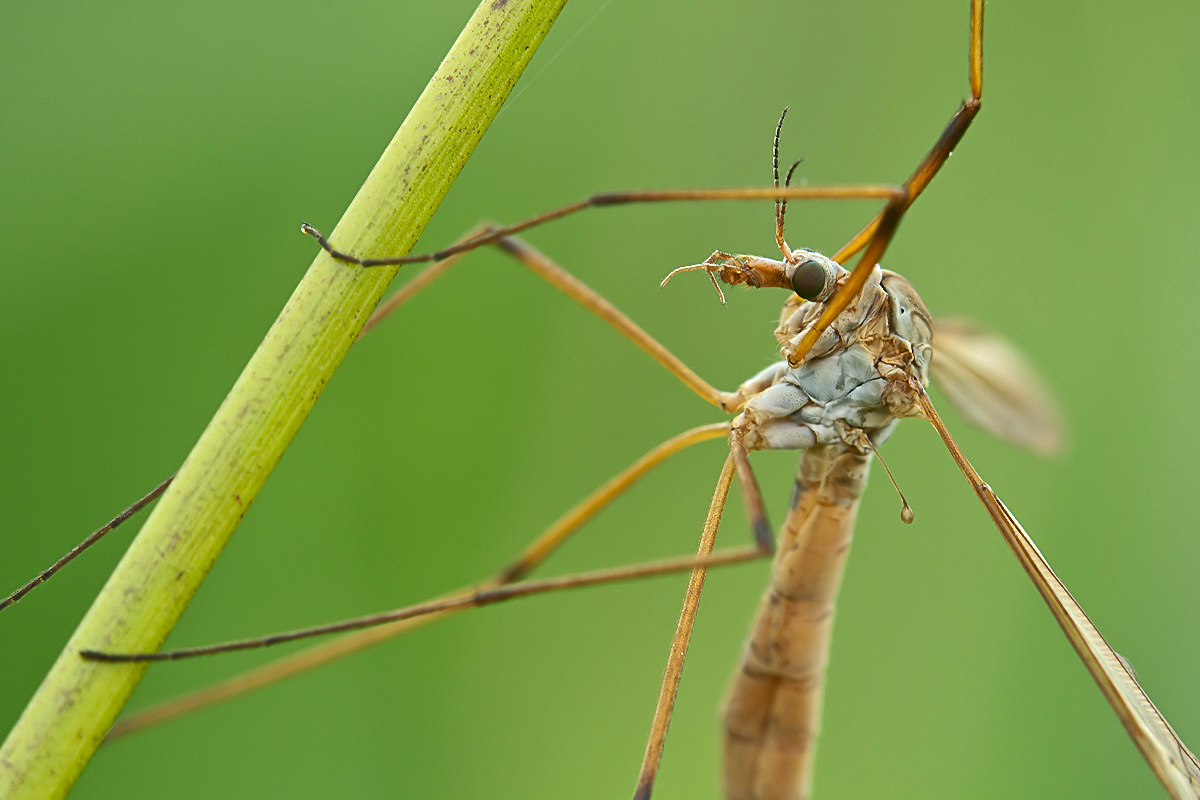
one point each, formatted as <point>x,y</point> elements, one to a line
<point>157,162</point>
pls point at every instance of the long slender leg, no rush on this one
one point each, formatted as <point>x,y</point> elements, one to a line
<point>876,234</point>
<point>679,644</point>
<point>561,279</point>
<point>533,555</point>
<point>587,297</point>
<point>860,192</point>
<point>945,144</point>
<point>458,602</point>
<point>94,537</point>
<point>756,509</point>
<point>1176,767</point>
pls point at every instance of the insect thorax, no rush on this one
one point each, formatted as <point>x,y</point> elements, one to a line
<point>864,371</point>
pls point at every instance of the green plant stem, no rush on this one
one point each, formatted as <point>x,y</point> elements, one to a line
<point>69,715</point>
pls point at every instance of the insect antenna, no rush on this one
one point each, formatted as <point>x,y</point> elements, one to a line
<point>781,204</point>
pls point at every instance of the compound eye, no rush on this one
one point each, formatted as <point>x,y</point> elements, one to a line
<point>809,279</point>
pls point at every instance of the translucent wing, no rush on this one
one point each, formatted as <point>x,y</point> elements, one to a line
<point>989,383</point>
<point>1168,757</point>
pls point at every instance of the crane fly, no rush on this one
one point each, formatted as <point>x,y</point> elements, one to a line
<point>833,470</point>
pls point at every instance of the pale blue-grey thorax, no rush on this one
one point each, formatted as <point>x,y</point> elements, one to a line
<point>860,375</point>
